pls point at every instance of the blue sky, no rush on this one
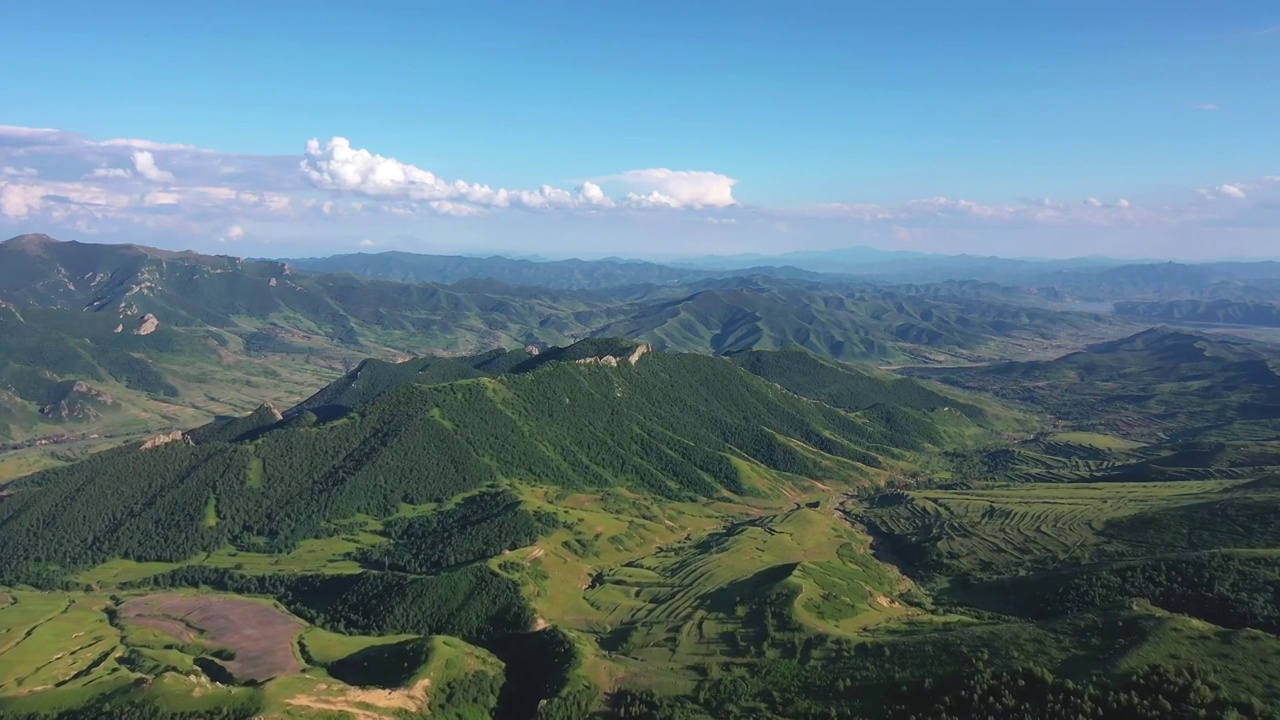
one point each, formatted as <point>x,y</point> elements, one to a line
<point>1133,128</point>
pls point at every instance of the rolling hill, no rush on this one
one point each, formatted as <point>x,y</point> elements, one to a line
<point>604,529</point>
<point>561,274</point>
<point>172,338</point>
<point>845,322</point>
<point>1226,312</point>
<point>1161,383</point>
<point>428,474</point>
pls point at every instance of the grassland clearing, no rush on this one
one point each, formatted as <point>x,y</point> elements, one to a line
<point>260,634</point>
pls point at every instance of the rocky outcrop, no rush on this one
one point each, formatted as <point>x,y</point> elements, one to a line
<point>270,411</point>
<point>149,324</point>
<point>614,360</point>
<point>165,439</point>
<point>638,353</point>
<point>80,404</point>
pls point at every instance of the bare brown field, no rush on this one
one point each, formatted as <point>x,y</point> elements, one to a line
<point>261,636</point>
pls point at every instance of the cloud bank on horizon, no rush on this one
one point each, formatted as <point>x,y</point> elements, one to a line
<point>336,197</point>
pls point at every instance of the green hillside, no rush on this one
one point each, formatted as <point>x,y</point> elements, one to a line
<point>1158,384</point>
<point>844,322</point>
<point>520,528</point>
<point>1219,311</point>
<point>607,530</point>
<point>398,496</point>
<point>114,342</point>
<point>676,426</point>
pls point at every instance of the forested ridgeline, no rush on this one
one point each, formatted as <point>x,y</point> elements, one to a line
<point>1157,385</point>
<point>670,425</point>
<point>1228,590</point>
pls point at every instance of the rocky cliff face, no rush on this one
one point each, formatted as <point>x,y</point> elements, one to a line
<point>164,439</point>
<point>616,360</point>
<point>149,324</point>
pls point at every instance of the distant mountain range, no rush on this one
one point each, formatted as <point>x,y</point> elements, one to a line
<point>101,334</point>
<point>1084,279</point>
<point>559,274</point>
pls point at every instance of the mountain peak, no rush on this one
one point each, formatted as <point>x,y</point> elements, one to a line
<point>31,241</point>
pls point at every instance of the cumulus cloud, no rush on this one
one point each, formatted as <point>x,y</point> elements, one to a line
<point>337,165</point>
<point>145,165</point>
<point>593,195</point>
<point>339,191</point>
<point>235,232</point>
<point>1233,191</point>
<point>1206,106</point>
<point>662,187</point>
<point>367,243</point>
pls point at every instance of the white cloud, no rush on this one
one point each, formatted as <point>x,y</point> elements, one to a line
<point>145,164</point>
<point>1096,203</point>
<point>19,201</point>
<point>108,173</point>
<point>338,166</point>
<point>144,144</point>
<point>126,187</point>
<point>661,187</point>
<point>592,194</point>
<point>367,243</point>
<point>15,131</point>
<point>1206,106</point>
<point>235,232</point>
<point>161,197</point>
<point>445,207</point>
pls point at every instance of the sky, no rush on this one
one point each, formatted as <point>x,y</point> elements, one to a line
<point>660,129</point>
